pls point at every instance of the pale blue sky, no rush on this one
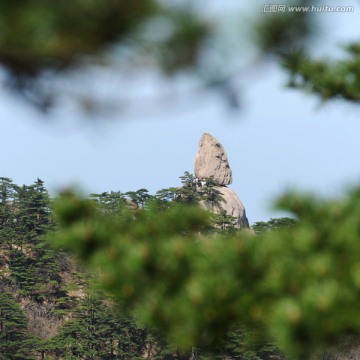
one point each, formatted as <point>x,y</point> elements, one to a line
<point>280,139</point>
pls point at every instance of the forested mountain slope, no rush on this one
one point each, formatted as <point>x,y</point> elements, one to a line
<point>52,309</point>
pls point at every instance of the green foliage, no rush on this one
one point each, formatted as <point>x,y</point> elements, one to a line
<point>99,331</point>
<point>7,216</point>
<point>171,274</point>
<point>139,197</point>
<point>14,339</point>
<point>188,180</point>
<point>287,35</point>
<point>301,283</point>
<point>249,344</point>
<point>40,39</point>
<point>328,78</point>
<point>113,201</point>
<point>42,34</point>
<point>25,221</point>
<point>225,222</point>
<point>173,204</point>
<point>262,227</point>
<point>315,280</point>
<point>210,193</point>
<point>190,286</point>
<point>32,273</point>
<point>23,271</point>
<point>184,43</point>
<point>281,33</point>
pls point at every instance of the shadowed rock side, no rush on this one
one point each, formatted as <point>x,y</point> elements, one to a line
<point>211,161</point>
<point>233,206</point>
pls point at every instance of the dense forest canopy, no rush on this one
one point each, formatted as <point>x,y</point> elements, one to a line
<point>52,308</point>
<point>298,283</point>
<point>174,282</point>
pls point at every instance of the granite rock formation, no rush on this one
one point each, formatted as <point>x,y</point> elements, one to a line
<point>211,161</point>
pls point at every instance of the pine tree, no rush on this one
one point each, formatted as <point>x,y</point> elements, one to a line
<point>224,222</point>
<point>7,213</point>
<point>15,343</point>
<point>187,193</point>
<point>211,194</point>
<point>110,202</point>
<point>33,263</point>
<point>33,212</point>
<point>168,195</point>
<point>139,197</point>
<point>23,271</point>
<point>262,227</point>
<point>99,331</point>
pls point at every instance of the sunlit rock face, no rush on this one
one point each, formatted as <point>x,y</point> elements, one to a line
<point>211,161</point>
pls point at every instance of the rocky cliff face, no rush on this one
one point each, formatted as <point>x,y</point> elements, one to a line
<point>211,162</point>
